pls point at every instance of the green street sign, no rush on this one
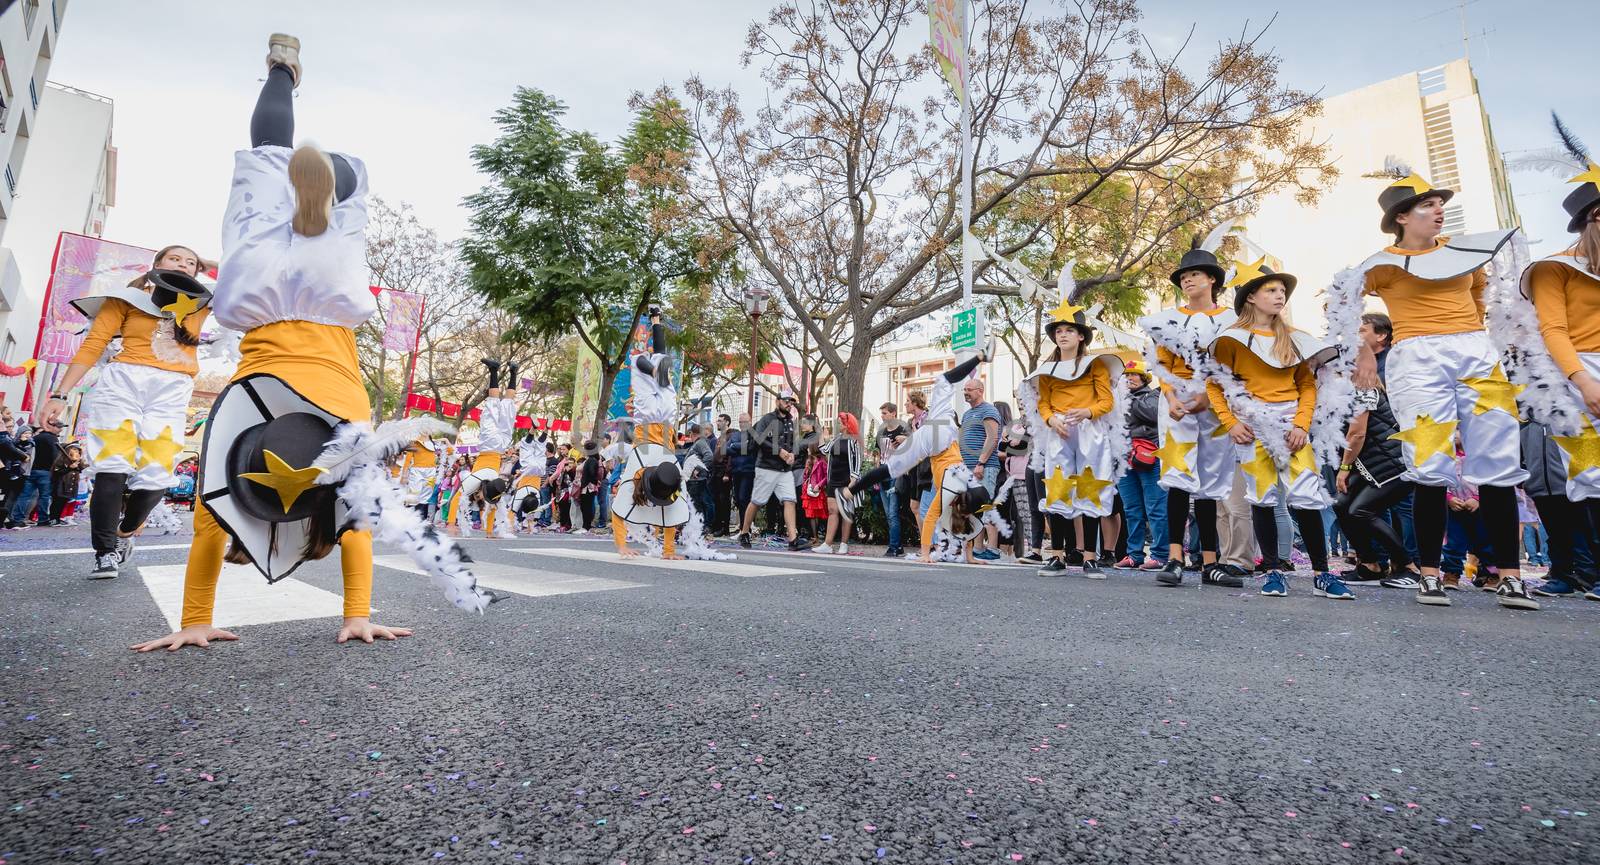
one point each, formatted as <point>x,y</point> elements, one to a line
<point>966,328</point>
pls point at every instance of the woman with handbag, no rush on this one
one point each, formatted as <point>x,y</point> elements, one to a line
<point>1144,503</point>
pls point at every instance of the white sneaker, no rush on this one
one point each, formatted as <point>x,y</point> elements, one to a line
<point>580,532</point>
<point>284,50</point>
<point>844,549</point>
<point>823,549</point>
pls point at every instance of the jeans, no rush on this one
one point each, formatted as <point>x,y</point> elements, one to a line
<point>38,481</point>
<point>1535,544</point>
<point>700,497</point>
<point>744,484</point>
<point>891,512</point>
<point>1400,518</point>
<point>1464,533</point>
<point>923,504</point>
<point>1144,505</point>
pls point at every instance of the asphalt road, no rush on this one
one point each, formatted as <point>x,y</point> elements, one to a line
<point>818,709</point>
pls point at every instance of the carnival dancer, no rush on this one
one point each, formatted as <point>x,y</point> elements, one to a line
<point>650,493</point>
<point>1076,406</point>
<point>1565,290</point>
<point>1444,374</point>
<point>962,505</point>
<point>289,467</point>
<point>1196,462</point>
<point>1265,396</point>
<point>419,472</point>
<point>138,409</point>
<point>485,487</point>
<point>531,468</point>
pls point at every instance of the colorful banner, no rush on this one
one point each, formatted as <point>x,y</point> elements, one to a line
<point>947,32</point>
<point>403,323</point>
<point>586,386</point>
<point>83,265</point>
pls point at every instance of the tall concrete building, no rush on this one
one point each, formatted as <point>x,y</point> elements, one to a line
<point>1435,120</point>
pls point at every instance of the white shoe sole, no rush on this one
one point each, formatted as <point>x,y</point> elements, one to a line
<point>1516,603</point>
<point>1268,594</point>
<point>1433,600</point>
<point>1319,593</point>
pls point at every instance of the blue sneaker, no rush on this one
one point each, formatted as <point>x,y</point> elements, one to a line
<point>1276,586</point>
<point>1330,586</point>
<point>987,555</point>
<point>1556,587</point>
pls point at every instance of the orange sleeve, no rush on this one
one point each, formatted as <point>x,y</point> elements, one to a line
<point>1219,400</point>
<point>107,325</point>
<point>1305,384</point>
<point>1168,360</point>
<point>1374,281</point>
<point>1104,399</point>
<point>1478,283</point>
<point>1548,285</point>
<point>1047,393</point>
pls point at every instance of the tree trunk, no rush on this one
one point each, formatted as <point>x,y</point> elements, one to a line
<point>853,378</point>
<point>383,363</point>
<point>608,375</point>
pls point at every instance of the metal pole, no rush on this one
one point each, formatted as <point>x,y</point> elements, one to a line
<point>750,399</point>
<point>966,165</point>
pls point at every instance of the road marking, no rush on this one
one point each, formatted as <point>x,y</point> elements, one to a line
<point>243,597</point>
<point>522,581</point>
<point>89,551</point>
<point>879,562</point>
<point>731,569</point>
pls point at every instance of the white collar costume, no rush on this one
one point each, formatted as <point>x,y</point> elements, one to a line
<point>639,458</point>
<point>1187,334</point>
<point>1080,469</point>
<point>139,299</point>
<point>1452,258</point>
<point>1308,348</point>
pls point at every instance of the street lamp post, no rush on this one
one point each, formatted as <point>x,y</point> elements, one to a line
<point>755,303</point>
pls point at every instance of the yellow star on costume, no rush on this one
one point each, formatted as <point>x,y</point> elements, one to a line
<point>1495,391</point>
<point>1174,454</point>
<point>1415,181</point>
<point>289,482</point>
<point>1058,488</point>
<point>1262,469</point>
<point>161,451</point>
<point>1089,486</point>
<point>1592,175</point>
<point>119,442</point>
<point>1303,461</point>
<point>1427,438</point>
<point>1583,450</point>
<point>182,308</point>
<point>1243,273</point>
<point>1065,311</point>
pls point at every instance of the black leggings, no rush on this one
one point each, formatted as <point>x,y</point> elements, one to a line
<point>1265,520</point>
<point>1205,517</point>
<point>1363,515</point>
<point>1571,540</point>
<point>114,508</point>
<point>272,125</point>
<point>1035,481</point>
<point>1061,529</point>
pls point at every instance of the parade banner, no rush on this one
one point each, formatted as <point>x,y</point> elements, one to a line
<point>403,324</point>
<point>83,265</point>
<point>947,33</point>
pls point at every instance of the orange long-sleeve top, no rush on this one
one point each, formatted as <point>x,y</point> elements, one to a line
<point>117,317</point>
<point>1092,391</point>
<point>1428,307</point>
<point>1264,382</point>
<point>1568,302</point>
<point>1170,359</point>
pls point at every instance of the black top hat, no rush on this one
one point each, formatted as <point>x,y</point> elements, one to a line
<point>1249,277</point>
<point>975,499</point>
<point>1400,196</point>
<point>269,469</point>
<point>1580,202</point>
<point>492,490</point>
<point>1070,315</point>
<point>661,483</point>
<point>1203,261</point>
<point>166,285</point>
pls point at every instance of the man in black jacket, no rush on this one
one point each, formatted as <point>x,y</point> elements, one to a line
<point>773,437</point>
<point>46,450</point>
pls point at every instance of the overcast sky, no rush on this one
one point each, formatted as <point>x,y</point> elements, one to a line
<point>411,86</point>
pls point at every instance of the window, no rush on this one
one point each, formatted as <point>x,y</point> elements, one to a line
<point>30,11</point>
<point>9,347</point>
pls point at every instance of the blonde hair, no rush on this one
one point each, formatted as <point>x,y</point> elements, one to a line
<point>1283,347</point>
<point>1587,245</point>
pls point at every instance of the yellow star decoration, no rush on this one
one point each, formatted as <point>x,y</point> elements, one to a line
<point>119,442</point>
<point>1495,391</point>
<point>1065,311</point>
<point>1583,450</point>
<point>1174,454</point>
<point>1262,469</point>
<point>1058,488</point>
<point>1592,175</point>
<point>1303,461</point>
<point>182,308</point>
<point>1427,438</point>
<point>161,451</point>
<point>1243,273</point>
<point>29,364</point>
<point>1089,486</point>
<point>289,482</point>
<point>1415,181</point>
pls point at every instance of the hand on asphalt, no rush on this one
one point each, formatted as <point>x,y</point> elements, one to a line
<point>194,635</point>
<point>362,628</point>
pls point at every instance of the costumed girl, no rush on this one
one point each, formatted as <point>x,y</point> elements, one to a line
<point>484,486</point>
<point>289,467</point>
<point>1076,405</point>
<point>1444,373</point>
<point>650,492</point>
<point>1196,463</point>
<point>530,477</point>
<point>138,410</point>
<point>1264,396</point>
<point>1565,290</point>
<point>963,505</point>
<point>419,472</point>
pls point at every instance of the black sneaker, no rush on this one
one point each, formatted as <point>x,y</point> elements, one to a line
<point>799,545</point>
<point>894,553</point>
<point>1030,559</point>
<point>1171,573</point>
<point>124,550</point>
<point>1514,595</point>
<point>1074,558</point>
<point>1092,569</point>
<point>105,567</point>
<point>744,540</point>
<point>1220,575</point>
<point>1056,567</point>
<point>1430,592</point>
<point>1402,580</point>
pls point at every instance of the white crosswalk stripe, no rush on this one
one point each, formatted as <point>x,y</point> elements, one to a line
<point>243,597</point>
<point>521,581</point>
<point>731,569</point>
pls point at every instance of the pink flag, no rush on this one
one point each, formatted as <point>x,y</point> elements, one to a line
<point>404,323</point>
